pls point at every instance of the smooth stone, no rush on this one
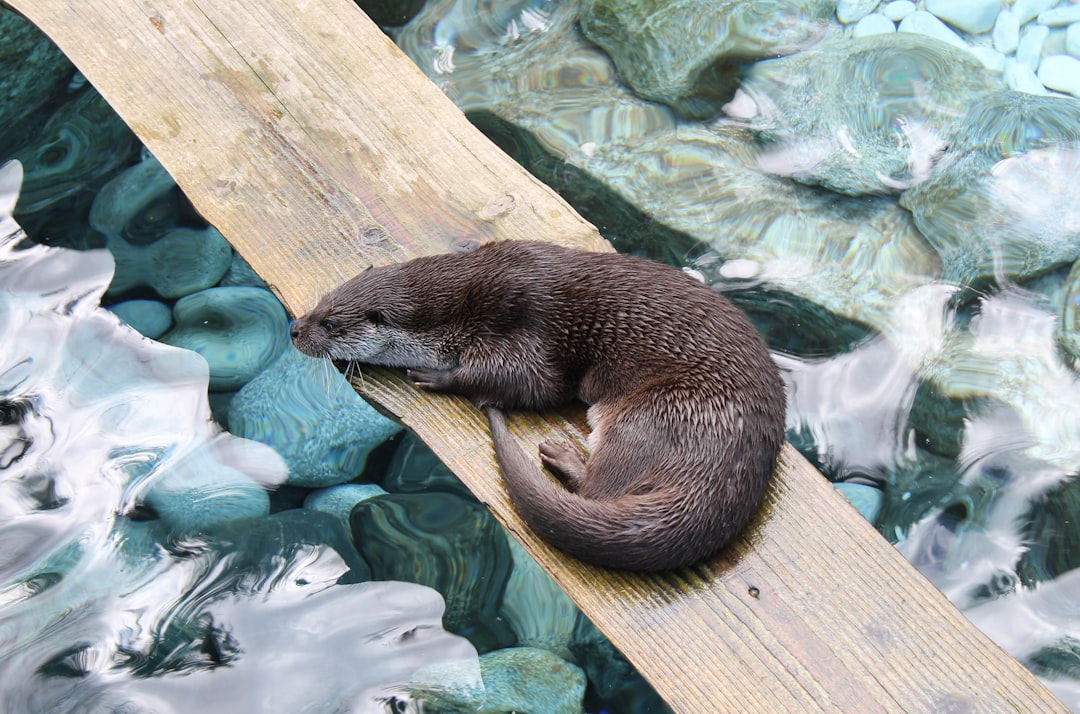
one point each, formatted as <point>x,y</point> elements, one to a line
<point>1021,78</point>
<point>1027,10</point>
<point>990,58</point>
<point>898,9</point>
<point>138,211</point>
<point>67,159</point>
<point>873,24</point>
<point>1002,209</point>
<point>1072,39</point>
<point>197,491</point>
<point>184,261</point>
<point>241,273</point>
<point>301,395</point>
<point>1006,34</point>
<point>340,500</point>
<point>415,468</point>
<point>258,546</point>
<point>540,613</point>
<point>238,331</point>
<point>151,318</point>
<point>519,679</point>
<point>922,22</point>
<point>1060,16</point>
<point>974,16</point>
<point>1061,73</point>
<point>448,543</point>
<point>1055,42</point>
<point>867,499</point>
<point>819,119</point>
<point>687,53</point>
<point>848,11</point>
<point>1029,50</point>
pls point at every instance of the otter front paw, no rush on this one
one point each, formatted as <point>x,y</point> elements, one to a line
<point>432,380</point>
<point>563,460</point>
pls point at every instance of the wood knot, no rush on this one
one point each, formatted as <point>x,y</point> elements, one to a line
<point>497,207</point>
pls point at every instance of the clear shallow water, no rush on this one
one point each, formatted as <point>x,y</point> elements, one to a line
<point>933,365</point>
<point>897,212</point>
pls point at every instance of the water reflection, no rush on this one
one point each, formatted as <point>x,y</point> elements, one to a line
<point>898,219</point>
<point>140,569</point>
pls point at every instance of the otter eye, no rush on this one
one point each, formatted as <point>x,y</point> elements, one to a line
<point>326,325</point>
<point>374,317</point>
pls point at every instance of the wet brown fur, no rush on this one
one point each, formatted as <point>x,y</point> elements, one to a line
<point>686,406</point>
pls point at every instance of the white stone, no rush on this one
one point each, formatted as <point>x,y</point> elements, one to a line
<point>1006,32</point>
<point>848,11</point>
<point>898,10</point>
<point>1060,16</point>
<point>990,58</point>
<point>1072,39</point>
<point>923,23</point>
<point>972,16</point>
<point>1061,73</point>
<point>740,269</point>
<point>873,24</point>
<point>1029,50</point>
<point>1026,10</point>
<point>1021,78</point>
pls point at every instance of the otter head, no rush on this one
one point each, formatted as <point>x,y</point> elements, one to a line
<point>367,319</point>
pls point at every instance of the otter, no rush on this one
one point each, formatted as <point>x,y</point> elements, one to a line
<point>686,408</point>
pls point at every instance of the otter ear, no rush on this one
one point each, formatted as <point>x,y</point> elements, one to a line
<point>374,317</point>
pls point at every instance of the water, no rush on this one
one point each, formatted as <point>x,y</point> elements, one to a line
<point>911,264</point>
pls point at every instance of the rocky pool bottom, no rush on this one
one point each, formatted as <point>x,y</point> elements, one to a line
<point>156,562</point>
<point>895,212</point>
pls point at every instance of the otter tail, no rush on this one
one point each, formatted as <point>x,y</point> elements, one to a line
<point>645,532</point>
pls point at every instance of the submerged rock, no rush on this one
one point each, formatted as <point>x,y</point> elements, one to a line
<point>851,256</point>
<point>416,469</point>
<point>211,484</point>
<point>150,318</point>
<point>340,500</point>
<point>447,543</point>
<point>146,220</point>
<point>34,68</point>
<point>867,115</point>
<point>519,679</point>
<point>66,161</point>
<point>999,204</point>
<point>688,53</point>
<point>240,331</point>
<point>539,612</point>
<point>308,413</point>
<point>1068,332</point>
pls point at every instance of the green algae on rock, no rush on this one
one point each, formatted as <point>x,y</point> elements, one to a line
<point>849,255</point>
<point>868,115</point>
<point>1000,203</point>
<point>688,53</point>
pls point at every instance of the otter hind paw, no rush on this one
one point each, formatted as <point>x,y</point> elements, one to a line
<point>563,460</point>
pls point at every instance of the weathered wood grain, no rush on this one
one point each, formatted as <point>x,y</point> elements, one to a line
<point>317,148</point>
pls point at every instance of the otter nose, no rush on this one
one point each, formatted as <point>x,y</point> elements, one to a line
<point>294,330</point>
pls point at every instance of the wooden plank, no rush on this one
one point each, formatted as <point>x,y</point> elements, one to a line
<point>317,148</point>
